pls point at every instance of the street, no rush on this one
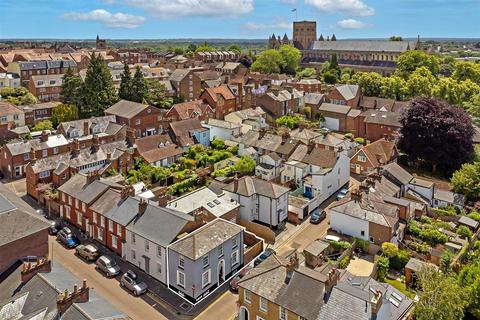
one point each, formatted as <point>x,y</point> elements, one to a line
<point>110,289</point>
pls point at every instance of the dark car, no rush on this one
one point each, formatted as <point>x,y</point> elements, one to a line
<point>342,194</point>
<point>265,254</point>
<point>66,237</point>
<point>240,275</point>
<point>318,217</point>
<point>54,228</point>
<point>130,281</point>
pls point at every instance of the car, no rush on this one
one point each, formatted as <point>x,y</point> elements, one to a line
<point>66,237</point>
<point>108,266</point>
<point>130,281</point>
<point>265,254</point>
<point>318,217</point>
<point>88,252</point>
<point>332,238</point>
<point>342,193</point>
<point>54,228</point>
<point>240,275</point>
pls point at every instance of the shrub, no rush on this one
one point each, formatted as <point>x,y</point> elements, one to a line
<point>340,245</point>
<point>383,265</point>
<point>414,229</point>
<point>218,144</point>
<point>362,244</point>
<point>433,237</point>
<point>348,135</point>
<point>464,232</point>
<point>343,263</point>
<point>389,249</point>
<point>425,219</point>
<point>360,141</point>
<point>400,260</point>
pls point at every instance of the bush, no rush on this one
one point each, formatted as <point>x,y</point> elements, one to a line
<point>464,232</point>
<point>425,219</point>
<point>348,135</point>
<point>414,229</point>
<point>218,144</point>
<point>362,244</point>
<point>343,263</point>
<point>340,245</point>
<point>389,249</point>
<point>433,237</point>
<point>360,141</point>
<point>383,265</point>
<point>400,260</point>
<point>183,186</point>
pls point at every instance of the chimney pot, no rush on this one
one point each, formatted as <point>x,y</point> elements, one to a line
<point>75,289</point>
<point>84,284</point>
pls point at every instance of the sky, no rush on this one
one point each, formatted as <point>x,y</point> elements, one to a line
<point>240,19</point>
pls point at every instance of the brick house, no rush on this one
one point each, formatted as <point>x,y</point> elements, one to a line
<point>280,102</point>
<point>146,120</point>
<point>314,101</point>
<point>187,110</point>
<point>27,69</point>
<point>380,123</point>
<point>221,99</point>
<point>186,133</point>
<point>307,85</point>
<point>372,156</point>
<point>346,94</point>
<point>38,112</point>
<point>186,83</point>
<point>46,87</point>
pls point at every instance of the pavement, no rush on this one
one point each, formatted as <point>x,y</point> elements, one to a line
<point>362,267</point>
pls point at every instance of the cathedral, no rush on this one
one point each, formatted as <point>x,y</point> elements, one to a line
<point>275,43</point>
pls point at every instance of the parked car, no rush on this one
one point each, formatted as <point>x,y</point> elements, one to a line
<point>108,266</point>
<point>318,217</point>
<point>342,193</point>
<point>54,228</point>
<point>88,252</point>
<point>240,275</point>
<point>332,238</point>
<point>66,237</point>
<point>265,254</point>
<point>130,281</point>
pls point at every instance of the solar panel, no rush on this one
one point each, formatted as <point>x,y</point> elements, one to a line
<point>216,201</point>
<point>394,302</point>
<point>396,296</point>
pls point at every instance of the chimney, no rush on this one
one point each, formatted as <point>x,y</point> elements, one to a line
<point>301,125</point>
<point>127,191</point>
<point>86,132</point>
<point>235,184</point>
<point>33,157</point>
<point>131,136</point>
<point>262,133</point>
<point>29,270</point>
<point>76,147</point>
<point>356,195</point>
<point>292,264</point>
<point>376,302</point>
<point>92,176</point>
<point>44,136</point>
<point>227,78</point>
<point>66,299</point>
<point>285,136</point>
<point>142,206</point>
<point>310,146</point>
<point>96,142</point>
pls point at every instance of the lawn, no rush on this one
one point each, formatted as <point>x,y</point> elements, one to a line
<point>400,286</point>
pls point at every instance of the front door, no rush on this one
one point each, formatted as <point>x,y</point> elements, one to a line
<point>147,264</point>
<point>358,169</point>
<point>221,271</point>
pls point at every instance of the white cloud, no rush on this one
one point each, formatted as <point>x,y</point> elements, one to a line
<point>261,26</point>
<point>169,9</point>
<point>109,1</point>
<point>111,20</point>
<point>352,7</point>
<point>289,2</point>
<point>350,24</point>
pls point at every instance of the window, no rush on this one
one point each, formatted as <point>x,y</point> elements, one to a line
<point>110,225</point>
<point>26,156</point>
<point>220,251</point>
<point>181,262</point>
<point>234,257</point>
<point>246,297</point>
<point>94,216</point>
<point>55,150</point>
<point>301,318</point>
<point>263,304</point>
<point>3,118</point>
<point>114,242</point>
<point>372,240</point>
<point>44,174</point>
<point>205,261</point>
<point>283,313</point>
<point>134,255</point>
<point>119,230</point>
<point>100,234</point>
<point>67,212</point>
<point>147,245</point>
<point>84,207</point>
<point>206,278</point>
<point>137,122</point>
<point>79,218</point>
<point>234,243</point>
<point>15,117</point>
<point>181,279</point>
<point>362,158</point>
<point>159,268</point>
<point>362,233</point>
<point>77,203</point>
<point>102,221</point>
<point>45,153</point>
<point>63,197</point>
<point>133,237</point>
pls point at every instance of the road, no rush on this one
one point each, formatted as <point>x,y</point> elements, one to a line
<point>135,308</point>
<point>225,307</point>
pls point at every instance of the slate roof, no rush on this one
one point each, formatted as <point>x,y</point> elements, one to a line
<point>402,175</point>
<point>321,157</point>
<point>152,142</point>
<point>184,127</point>
<point>178,74</point>
<point>126,109</point>
<point>335,108</point>
<point>365,45</point>
<point>348,91</point>
<point>222,124</point>
<point>79,189</point>
<point>381,117</point>
<point>187,110</point>
<point>206,238</point>
<point>299,154</point>
<point>109,199</point>
<point>287,147</point>
<point>248,186</point>
<point>313,98</point>
<point>269,142</point>
<point>157,224</point>
<point>102,123</point>
<point>162,153</point>
<point>304,135</point>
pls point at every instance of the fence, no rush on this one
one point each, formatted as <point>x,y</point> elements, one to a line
<point>260,231</point>
<point>255,246</point>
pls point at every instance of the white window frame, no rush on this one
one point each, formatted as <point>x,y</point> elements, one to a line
<point>44,153</point>
<point>79,218</point>
<point>94,217</point>
<point>181,283</point>
<point>110,225</point>
<point>119,230</point>
<point>147,245</point>
<point>102,221</point>
<point>247,298</point>
<point>220,251</point>
<point>263,305</point>
<point>84,207</point>
<point>181,262</point>
<point>134,255</point>
<point>236,260</point>
<point>159,268</point>
<point>114,242</point>
<point>285,313</point>
<point>100,234</point>
<point>234,243</point>
<point>205,261</point>
<point>159,251</point>
<point>133,238</point>
<point>207,273</point>
<point>67,212</point>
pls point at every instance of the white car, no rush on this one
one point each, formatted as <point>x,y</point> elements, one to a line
<point>332,238</point>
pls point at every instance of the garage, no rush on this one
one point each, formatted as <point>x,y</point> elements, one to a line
<point>332,123</point>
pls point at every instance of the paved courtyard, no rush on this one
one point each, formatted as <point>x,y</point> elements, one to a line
<point>361,267</point>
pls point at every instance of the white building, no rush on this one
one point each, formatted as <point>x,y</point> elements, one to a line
<point>269,166</point>
<point>259,200</point>
<point>220,129</point>
<point>249,119</point>
<point>9,80</point>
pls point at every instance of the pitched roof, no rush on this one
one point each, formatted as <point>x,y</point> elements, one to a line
<point>206,238</point>
<point>223,90</point>
<point>152,142</point>
<point>365,45</point>
<point>348,91</point>
<point>7,108</point>
<point>187,110</point>
<point>162,153</point>
<point>402,175</point>
<point>304,135</point>
<point>321,157</point>
<point>248,186</point>
<point>336,108</point>
<point>313,98</point>
<point>382,117</point>
<point>126,109</point>
<point>379,152</point>
<point>184,127</point>
<point>100,123</point>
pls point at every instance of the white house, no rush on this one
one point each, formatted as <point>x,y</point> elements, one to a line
<point>249,119</point>
<point>220,129</point>
<point>269,166</point>
<point>148,236</point>
<point>9,80</point>
<point>259,200</point>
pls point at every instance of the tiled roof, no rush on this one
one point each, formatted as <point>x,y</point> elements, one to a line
<point>126,109</point>
<point>321,157</point>
<point>187,110</point>
<point>379,152</point>
<point>248,186</point>
<point>223,90</point>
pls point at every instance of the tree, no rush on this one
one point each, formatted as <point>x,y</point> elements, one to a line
<point>330,77</point>
<point>71,88</point>
<point>383,265</point>
<point>64,112</point>
<point>410,60</point>
<point>306,73</point>
<point>268,61</point>
<point>473,108</point>
<point>288,121</point>
<point>157,94</point>
<point>393,88</point>
<point>290,59</point>
<point>43,125</point>
<point>334,62</point>
<point>370,82</point>
<point>245,165</point>
<point>464,232</point>
<point>205,48</point>
<point>396,38</point>
<point>246,60</point>
<point>28,99</point>
<point>441,296</point>
<point>389,249</point>
<point>420,83</point>
<point>139,86</point>
<point>192,47</point>
<point>466,180</point>
<point>467,70</point>
<point>98,91</point>
<point>218,144</point>
<point>446,261</point>
<point>126,88</point>
<point>235,48</point>
<point>436,132</point>
<point>400,260</point>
